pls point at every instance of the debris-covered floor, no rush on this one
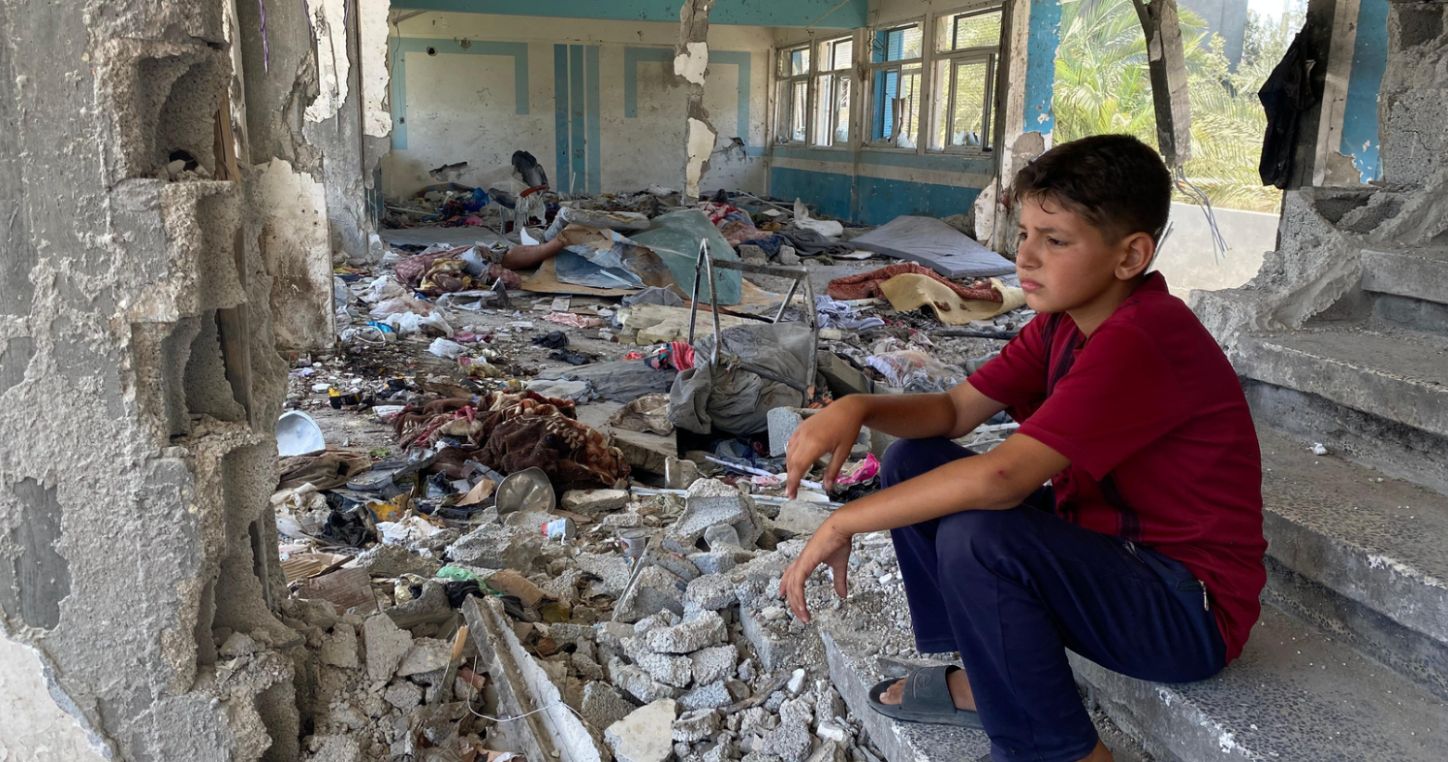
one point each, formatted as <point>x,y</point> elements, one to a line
<point>529,536</point>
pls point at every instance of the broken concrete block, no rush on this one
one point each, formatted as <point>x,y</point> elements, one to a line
<point>675,562</point>
<point>386,645</point>
<point>594,501</point>
<point>339,648</point>
<point>238,644</point>
<point>799,517</point>
<point>388,560</point>
<point>646,735</point>
<point>722,537</point>
<point>636,682</point>
<point>711,592</point>
<point>796,682</point>
<point>769,635</point>
<point>711,696</point>
<point>723,750</point>
<point>495,547</point>
<point>661,619</point>
<point>611,569</point>
<point>403,694</point>
<point>782,421</point>
<point>792,739</point>
<point>602,705</point>
<point>695,726</point>
<point>713,664</point>
<point>704,630</point>
<point>585,666</point>
<point>832,730</point>
<point>426,655</point>
<point>654,589</point>
<point>714,563</point>
<point>677,671</point>
<point>709,502</point>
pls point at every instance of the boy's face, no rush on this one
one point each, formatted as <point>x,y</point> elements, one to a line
<point>1065,263</point>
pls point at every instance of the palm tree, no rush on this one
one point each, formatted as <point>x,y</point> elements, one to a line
<point>1102,86</point>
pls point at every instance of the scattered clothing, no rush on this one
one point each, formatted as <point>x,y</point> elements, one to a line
<point>867,285</point>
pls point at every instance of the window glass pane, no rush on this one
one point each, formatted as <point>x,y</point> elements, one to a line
<point>842,109</point>
<point>799,61</point>
<point>824,85</point>
<point>967,119</point>
<point>897,44</point>
<point>843,54</point>
<point>908,111</point>
<point>977,31</point>
<point>798,108</point>
<point>781,111</point>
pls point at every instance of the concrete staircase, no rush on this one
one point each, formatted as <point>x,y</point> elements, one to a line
<point>1350,658</point>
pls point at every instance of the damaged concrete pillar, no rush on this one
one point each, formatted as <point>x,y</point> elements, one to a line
<point>138,388</point>
<point>315,79</point>
<point>691,64</point>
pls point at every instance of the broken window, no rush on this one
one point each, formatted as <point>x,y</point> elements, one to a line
<point>832,92</point>
<point>968,46</point>
<point>791,118</point>
<point>896,61</point>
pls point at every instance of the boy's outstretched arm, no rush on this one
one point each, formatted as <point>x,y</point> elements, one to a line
<point>909,416</point>
<point>996,480</point>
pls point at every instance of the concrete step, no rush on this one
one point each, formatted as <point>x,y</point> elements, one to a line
<point>864,646</point>
<point>1360,555</point>
<point>1412,273</point>
<point>1398,375</point>
<point>1293,695</point>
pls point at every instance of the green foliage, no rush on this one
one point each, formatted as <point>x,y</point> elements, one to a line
<point>1103,86</point>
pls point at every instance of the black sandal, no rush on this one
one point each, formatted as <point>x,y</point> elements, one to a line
<point>926,700</point>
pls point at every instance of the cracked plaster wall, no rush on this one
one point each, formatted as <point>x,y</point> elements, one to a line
<point>139,382</point>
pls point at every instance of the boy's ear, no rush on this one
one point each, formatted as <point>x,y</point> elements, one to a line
<point>1139,249</point>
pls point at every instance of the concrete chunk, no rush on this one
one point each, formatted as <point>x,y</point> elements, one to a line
<point>717,663</point>
<point>403,694</point>
<point>594,501</point>
<point>636,682</point>
<point>679,473</point>
<point>339,649</point>
<point>495,547</point>
<point>677,671</point>
<point>704,630</point>
<point>709,502</point>
<point>652,591</point>
<point>603,705</point>
<point>386,645</point>
<point>646,735</point>
<point>427,655</point>
<point>711,696</point>
<point>711,592</point>
<point>695,726</point>
<point>800,517</point>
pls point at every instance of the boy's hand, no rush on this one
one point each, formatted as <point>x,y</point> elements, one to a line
<point>832,430</point>
<point>829,547</point>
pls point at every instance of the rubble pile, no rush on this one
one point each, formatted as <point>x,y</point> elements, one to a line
<point>504,538</point>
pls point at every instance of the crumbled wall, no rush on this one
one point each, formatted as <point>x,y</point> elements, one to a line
<point>1413,104</point>
<point>138,388</point>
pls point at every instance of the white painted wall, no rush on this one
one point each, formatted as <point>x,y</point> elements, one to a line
<point>462,106</point>
<point>32,726</point>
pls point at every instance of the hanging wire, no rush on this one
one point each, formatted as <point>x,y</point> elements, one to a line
<point>1219,241</point>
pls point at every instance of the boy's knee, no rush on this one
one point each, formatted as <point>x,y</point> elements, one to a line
<point>908,458</point>
<point>980,538</point>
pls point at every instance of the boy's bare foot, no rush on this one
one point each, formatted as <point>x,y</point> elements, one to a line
<point>1099,754</point>
<point>959,691</point>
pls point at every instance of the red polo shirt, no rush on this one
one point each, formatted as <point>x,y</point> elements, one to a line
<point>1162,447</point>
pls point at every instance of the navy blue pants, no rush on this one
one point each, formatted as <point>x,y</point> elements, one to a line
<point>1012,590</point>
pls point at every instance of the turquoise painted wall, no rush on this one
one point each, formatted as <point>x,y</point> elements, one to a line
<point>824,14</point>
<point>1360,114</point>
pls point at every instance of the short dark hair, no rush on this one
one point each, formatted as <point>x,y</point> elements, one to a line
<point>1116,182</point>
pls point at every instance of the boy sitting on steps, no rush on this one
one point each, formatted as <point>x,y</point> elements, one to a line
<point>1142,554</point>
